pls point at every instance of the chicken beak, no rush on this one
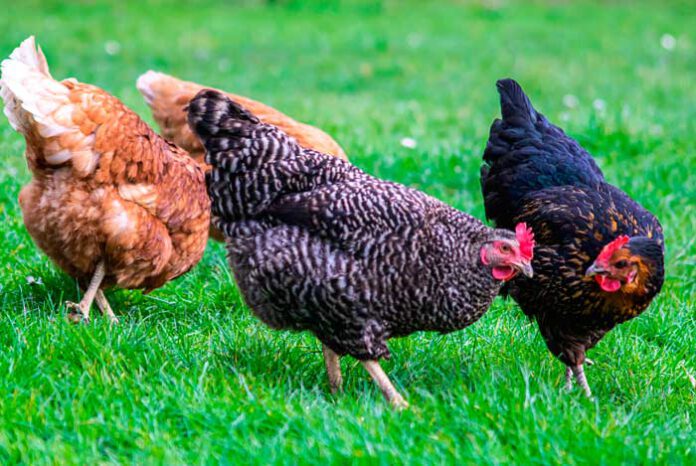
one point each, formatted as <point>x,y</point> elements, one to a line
<point>594,270</point>
<point>526,269</point>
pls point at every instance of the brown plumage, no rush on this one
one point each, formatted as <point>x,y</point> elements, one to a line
<point>168,97</point>
<point>599,259</point>
<point>110,202</point>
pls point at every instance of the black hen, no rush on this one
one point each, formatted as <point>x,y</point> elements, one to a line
<point>599,256</point>
<point>316,244</point>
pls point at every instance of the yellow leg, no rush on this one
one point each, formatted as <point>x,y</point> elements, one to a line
<point>579,373</point>
<point>390,393</point>
<point>333,369</point>
<point>105,307</point>
<point>568,378</point>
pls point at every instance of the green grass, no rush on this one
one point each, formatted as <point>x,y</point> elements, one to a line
<point>191,377</point>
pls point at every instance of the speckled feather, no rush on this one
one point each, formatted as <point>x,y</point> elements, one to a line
<point>316,244</point>
<point>536,174</point>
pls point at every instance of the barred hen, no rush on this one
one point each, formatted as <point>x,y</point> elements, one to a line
<point>316,244</point>
<point>110,202</point>
<point>599,256</point>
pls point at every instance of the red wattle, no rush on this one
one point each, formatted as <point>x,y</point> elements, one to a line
<point>503,272</point>
<point>609,285</point>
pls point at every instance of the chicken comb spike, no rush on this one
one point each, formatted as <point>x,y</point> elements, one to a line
<point>609,249</point>
<point>525,236</point>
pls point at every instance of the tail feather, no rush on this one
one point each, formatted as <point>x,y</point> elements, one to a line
<point>235,138</point>
<point>252,163</point>
<point>527,153</point>
<point>224,126</point>
<point>213,114</point>
<point>514,103</point>
<point>152,85</point>
<point>146,85</point>
<point>33,99</point>
<point>40,108</point>
<point>31,55</point>
<point>167,96</point>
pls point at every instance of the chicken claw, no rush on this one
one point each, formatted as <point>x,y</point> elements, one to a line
<point>77,314</point>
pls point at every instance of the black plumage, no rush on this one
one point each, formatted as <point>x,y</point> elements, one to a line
<point>599,255</point>
<point>317,244</point>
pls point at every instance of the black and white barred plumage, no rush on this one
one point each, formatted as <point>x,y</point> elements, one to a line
<point>317,244</point>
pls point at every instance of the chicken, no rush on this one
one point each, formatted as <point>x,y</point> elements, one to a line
<point>599,259</point>
<point>168,96</point>
<point>110,201</point>
<point>316,244</point>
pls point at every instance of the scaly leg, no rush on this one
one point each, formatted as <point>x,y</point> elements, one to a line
<point>105,307</point>
<point>579,373</point>
<point>80,311</point>
<point>333,369</point>
<point>390,393</point>
<point>568,378</point>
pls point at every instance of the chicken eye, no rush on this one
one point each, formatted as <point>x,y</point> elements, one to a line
<point>621,264</point>
<point>505,248</point>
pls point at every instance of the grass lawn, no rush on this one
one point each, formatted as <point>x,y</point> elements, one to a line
<point>192,377</point>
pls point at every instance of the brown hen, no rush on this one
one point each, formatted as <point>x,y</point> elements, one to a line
<point>110,202</point>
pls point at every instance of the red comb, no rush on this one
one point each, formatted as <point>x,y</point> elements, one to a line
<point>525,236</point>
<point>609,249</point>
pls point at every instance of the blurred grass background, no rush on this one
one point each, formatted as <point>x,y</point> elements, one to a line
<point>191,377</point>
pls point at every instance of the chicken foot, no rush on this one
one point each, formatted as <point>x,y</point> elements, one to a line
<point>390,393</point>
<point>79,312</point>
<point>105,307</point>
<point>579,373</point>
<point>333,369</point>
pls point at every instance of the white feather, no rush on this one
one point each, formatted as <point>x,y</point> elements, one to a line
<point>30,94</point>
<point>59,157</point>
<point>34,101</point>
<point>145,84</point>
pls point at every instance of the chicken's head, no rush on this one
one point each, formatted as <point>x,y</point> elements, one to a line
<point>508,253</point>
<point>626,264</point>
